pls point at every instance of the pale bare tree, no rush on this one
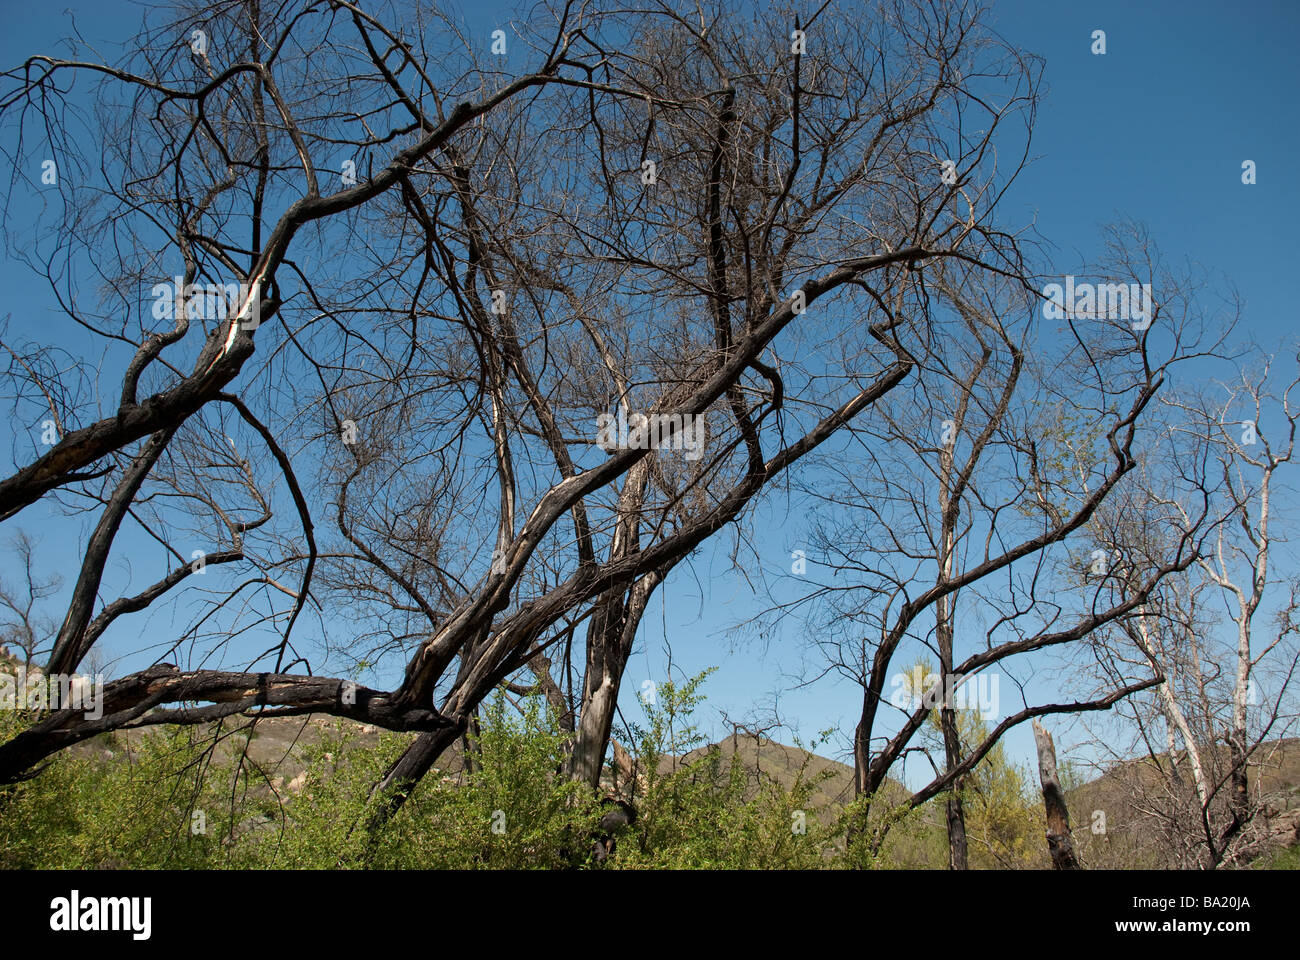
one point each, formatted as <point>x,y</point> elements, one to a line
<point>26,627</point>
<point>1238,438</point>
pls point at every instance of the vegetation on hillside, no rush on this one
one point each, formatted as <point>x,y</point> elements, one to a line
<point>195,798</point>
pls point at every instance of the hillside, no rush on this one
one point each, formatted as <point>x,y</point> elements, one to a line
<point>1130,797</point>
<point>1117,817</point>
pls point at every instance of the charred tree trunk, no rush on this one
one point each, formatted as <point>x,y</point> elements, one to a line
<point>1060,845</point>
<point>401,778</point>
<point>606,659</point>
<point>1238,789</point>
<point>958,849</point>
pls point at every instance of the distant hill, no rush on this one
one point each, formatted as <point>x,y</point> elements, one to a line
<point>1124,795</point>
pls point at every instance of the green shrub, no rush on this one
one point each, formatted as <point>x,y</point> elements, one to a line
<point>705,812</point>
<point>193,798</point>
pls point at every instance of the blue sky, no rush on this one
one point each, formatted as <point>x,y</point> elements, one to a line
<point>1156,129</point>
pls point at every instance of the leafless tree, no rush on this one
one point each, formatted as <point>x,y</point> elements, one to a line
<point>1239,439</point>
<point>26,627</point>
<point>978,485</point>
<point>446,267</point>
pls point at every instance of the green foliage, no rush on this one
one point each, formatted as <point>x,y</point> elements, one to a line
<point>1002,810</point>
<point>1287,859</point>
<point>896,835</point>
<point>513,811</point>
<point>541,820</point>
<point>698,806</point>
<point>1004,815</point>
<point>194,798</point>
<point>138,808</point>
<point>706,811</point>
<point>131,810</point>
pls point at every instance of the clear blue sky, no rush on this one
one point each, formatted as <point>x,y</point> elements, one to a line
<point>1156,129</point>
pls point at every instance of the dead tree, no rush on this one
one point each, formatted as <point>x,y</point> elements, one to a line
<point>1232,444</point>
<point>982,486</point>
<point>1060,845</point>
<point>436,275</point>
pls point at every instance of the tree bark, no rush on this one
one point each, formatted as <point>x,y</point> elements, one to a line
<point>958,849</point>
<point>401,778</point>
<point>1059,843</point>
